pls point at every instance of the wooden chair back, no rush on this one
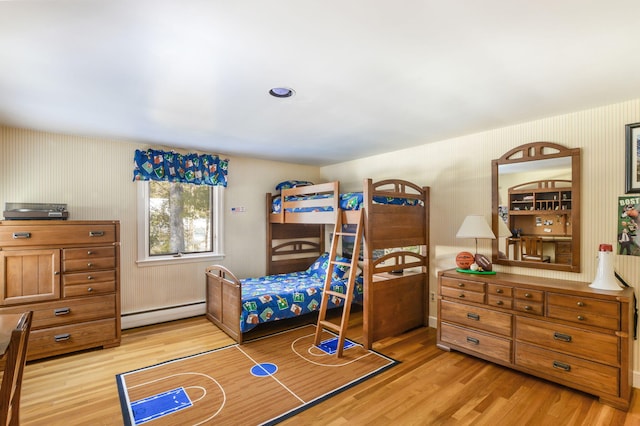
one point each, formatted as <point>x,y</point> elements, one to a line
<point>531,249</point>
<point>16,357</point>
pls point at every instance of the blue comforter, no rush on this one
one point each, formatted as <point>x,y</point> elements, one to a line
<point>276,297</point>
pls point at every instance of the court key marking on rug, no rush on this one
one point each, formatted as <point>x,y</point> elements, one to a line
<point>165,403</point>
<point>159,405</point>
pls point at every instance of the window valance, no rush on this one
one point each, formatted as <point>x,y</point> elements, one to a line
<point>198,169</point>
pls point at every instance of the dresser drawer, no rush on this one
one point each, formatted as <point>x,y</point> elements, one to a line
<point>585,374</point>
<point>584,304</point>
<point>598,347</point>
<point>58,340</point>
<point>23,235</point>
<point>51,314</point>
<point>491,346</point>
<point>88,252</point>
<point>499,290</point>
<point>88,264</point>
<point>528,307</point>
<point>89,289</point>
<point>462,284</point>
<point>469,296</point>
<point>529,295</point>
<point>500,302</point>
<point>610,323</point>
<point>478,318</point>
<point>88,277</point>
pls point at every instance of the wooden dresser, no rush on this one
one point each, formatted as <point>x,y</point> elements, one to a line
<point>562,331</point>
<point>68,273</point>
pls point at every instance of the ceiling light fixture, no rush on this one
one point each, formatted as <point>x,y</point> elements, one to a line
<point>281,92</point>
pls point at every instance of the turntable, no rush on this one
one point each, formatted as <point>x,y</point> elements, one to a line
<point>35,211</point>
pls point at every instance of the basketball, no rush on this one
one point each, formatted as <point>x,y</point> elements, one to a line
<point>464,259</point>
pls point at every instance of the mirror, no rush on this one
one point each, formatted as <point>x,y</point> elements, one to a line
<point>536,207</point>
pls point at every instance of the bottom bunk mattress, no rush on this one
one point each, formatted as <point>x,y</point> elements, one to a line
<point>281,296</point>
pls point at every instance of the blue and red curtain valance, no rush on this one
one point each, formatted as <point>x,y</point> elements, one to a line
<point>198,169</point>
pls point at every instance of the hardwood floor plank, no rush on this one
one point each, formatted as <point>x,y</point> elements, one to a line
<point>428,387</point>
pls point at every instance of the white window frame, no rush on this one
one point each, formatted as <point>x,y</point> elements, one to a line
<point>217,222</point>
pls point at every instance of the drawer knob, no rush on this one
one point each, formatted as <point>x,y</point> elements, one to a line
<point>499,303</point>
<point>61,311</point>
<point>527,308</point>
<point>561,366</point>
<point>461,295</point>
<point>62,337</point>
<point>89,253</point>
<point>472,316</point>
<point>580,317</point>
<point>460,284</point>
<point>90,289</point>
<point>527,295</point>
<point>90,277</point>
<point>562,337</point>
<point>89,265</point>
<point>581,304</point>
<point>499,291</point>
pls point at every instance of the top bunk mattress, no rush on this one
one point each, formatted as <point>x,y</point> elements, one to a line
<point>348,201</point>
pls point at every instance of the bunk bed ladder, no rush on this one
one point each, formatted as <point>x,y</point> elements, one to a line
<point>347,297</point>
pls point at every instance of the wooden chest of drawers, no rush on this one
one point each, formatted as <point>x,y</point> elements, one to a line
<point>562,331</point>
<point>68,273</point>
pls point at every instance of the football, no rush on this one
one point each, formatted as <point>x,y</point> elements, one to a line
<point>464,259</point>
<point>483,262</point>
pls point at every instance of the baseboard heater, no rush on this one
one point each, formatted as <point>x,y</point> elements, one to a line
<point>156,316</point>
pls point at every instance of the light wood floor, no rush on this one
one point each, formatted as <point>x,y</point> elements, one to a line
<point>428,387</point>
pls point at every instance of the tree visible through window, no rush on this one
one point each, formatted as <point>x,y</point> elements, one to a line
<point>180,218</point>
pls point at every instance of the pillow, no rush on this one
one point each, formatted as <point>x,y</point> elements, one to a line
<point>319,267</point>
<point>292,184</point>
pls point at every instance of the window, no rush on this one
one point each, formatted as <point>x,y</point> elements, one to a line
<point>179,222</point>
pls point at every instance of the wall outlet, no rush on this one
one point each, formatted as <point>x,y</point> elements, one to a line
<point>433,296</point>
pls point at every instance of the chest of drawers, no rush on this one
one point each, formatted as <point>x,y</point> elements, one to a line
<point>558,330</point>
<point>68,274</point>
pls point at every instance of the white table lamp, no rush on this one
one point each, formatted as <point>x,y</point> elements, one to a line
<point>474,226</point>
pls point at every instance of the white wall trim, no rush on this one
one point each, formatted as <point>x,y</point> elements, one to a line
<point>140,319</point>
<point>433,322</point>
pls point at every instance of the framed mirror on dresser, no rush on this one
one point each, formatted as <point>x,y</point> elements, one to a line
<point>536,207</point>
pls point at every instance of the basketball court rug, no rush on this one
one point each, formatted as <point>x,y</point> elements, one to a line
<point>262,381</point>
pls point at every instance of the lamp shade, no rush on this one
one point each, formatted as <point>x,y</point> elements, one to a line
<point>474,226</point>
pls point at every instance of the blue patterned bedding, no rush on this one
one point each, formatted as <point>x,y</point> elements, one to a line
<point>348,201</point>
<point>276,297</point>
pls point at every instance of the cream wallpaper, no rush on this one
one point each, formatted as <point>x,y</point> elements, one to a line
<point>459,174</point>
<point>93,176</point>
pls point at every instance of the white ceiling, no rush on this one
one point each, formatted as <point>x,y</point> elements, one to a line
<point>370,76</point>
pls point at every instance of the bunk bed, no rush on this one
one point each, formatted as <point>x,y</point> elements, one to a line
<point>394,255</point>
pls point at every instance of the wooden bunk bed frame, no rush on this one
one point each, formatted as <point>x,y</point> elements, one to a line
<point>394,301</point>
